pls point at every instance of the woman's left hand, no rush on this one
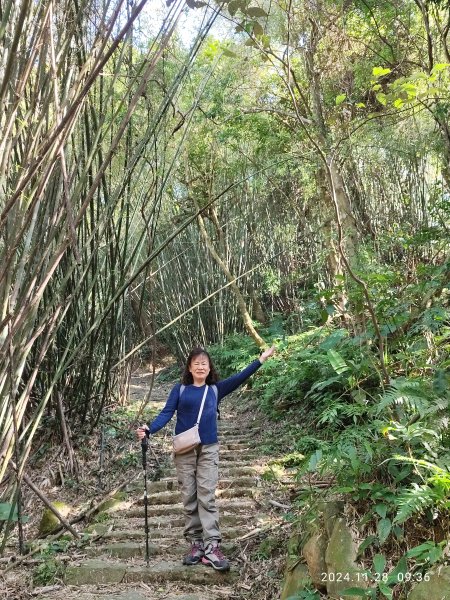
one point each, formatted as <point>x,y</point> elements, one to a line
<point>267,353</point>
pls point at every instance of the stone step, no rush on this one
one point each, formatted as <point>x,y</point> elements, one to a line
<point>230,425</point>
<point>177,520</point>
<point>236,492</point>
<point>170,509</point>
<point>226,470</point>
<point>236,446</point>
<point>235,470</point>
<point>174,497</point>
<point>169,502</point>
<point>102,571</point>
<point>170,483</point>
<point>238,455</point>
<point>229,533</point>
<point>127,550</point>
<point>97,593</point>
<point>244,434</point>
<point>235,439</point>
<point>242,456</point>
<point>241,430</point>
<point>238,436</point>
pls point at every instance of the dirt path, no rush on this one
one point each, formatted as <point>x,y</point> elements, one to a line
<point>114,565</point>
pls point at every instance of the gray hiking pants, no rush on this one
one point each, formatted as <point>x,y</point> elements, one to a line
<point>197,473</point>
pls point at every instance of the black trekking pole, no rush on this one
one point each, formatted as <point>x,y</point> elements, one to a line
<point>144,445</point>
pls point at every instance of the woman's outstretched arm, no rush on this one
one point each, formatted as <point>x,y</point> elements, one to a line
<point>228,385</point>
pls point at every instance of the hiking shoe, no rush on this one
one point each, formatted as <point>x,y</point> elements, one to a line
<point>196,553</point>
<point>214,558</point>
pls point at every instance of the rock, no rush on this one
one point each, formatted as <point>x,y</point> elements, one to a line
<point>175,571</point>
<point>122,550</point>
<point>94,571</point>
<point>153,486</point>
<point>331,511</point>
<point>128,596</point>
<point>340,556</point>
<point>188,597</point>
<point>103,571</point>
<point>49,521</point>
<point>117,502</point>
<point>295,580</point>
<point>314,553</point>
<point>437,588</point>
<point>166,497</point>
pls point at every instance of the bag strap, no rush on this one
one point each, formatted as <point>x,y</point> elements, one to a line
<point>202,405</point>
<point>216,394</point>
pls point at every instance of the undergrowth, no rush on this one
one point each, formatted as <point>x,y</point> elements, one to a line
<point>384,448</point>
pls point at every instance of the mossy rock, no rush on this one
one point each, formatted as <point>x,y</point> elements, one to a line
<point>295,580</point>
<point>112,504</point>
<point>97,529</point>
<point>314,553</point>
<point>340,557</point>
<point>49,521</point>
<point>331,510</point>
<point>436,586</point>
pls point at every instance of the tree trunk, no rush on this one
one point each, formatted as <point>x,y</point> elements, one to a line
<point>230,277</point>
<point>327,230</point>
<point>334,177</point>
<point>348,222</point>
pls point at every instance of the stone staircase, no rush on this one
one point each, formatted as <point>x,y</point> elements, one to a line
<point>114,566</point>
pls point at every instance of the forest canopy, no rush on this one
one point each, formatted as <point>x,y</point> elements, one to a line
<point>182,174</point>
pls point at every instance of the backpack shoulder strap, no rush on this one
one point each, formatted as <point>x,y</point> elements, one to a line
<point>216,394</point>
<point>213,387</point>
<point>180,391</point>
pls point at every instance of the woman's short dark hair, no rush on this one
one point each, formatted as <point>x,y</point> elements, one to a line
<point>187,378</point>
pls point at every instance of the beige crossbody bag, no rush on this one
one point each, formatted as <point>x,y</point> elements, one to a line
<point>189,439</point>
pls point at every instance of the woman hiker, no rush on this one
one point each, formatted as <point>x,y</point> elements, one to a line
<point>197,470</point>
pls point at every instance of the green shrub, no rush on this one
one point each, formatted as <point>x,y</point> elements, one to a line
<point>48,572</point>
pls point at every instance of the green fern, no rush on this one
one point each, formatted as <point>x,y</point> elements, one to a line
<point>434,492</point>
<point>412,395</point>
<point>337,362</point>
<point>414,500</point>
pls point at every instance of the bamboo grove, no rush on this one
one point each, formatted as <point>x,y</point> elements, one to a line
<point>157,193</point>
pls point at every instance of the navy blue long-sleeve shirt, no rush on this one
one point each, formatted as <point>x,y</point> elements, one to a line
<point>188,405</point>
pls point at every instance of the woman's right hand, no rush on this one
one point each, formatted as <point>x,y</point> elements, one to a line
<point>140,432</point>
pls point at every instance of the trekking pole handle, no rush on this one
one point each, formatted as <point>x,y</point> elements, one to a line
<point>144,446</point>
